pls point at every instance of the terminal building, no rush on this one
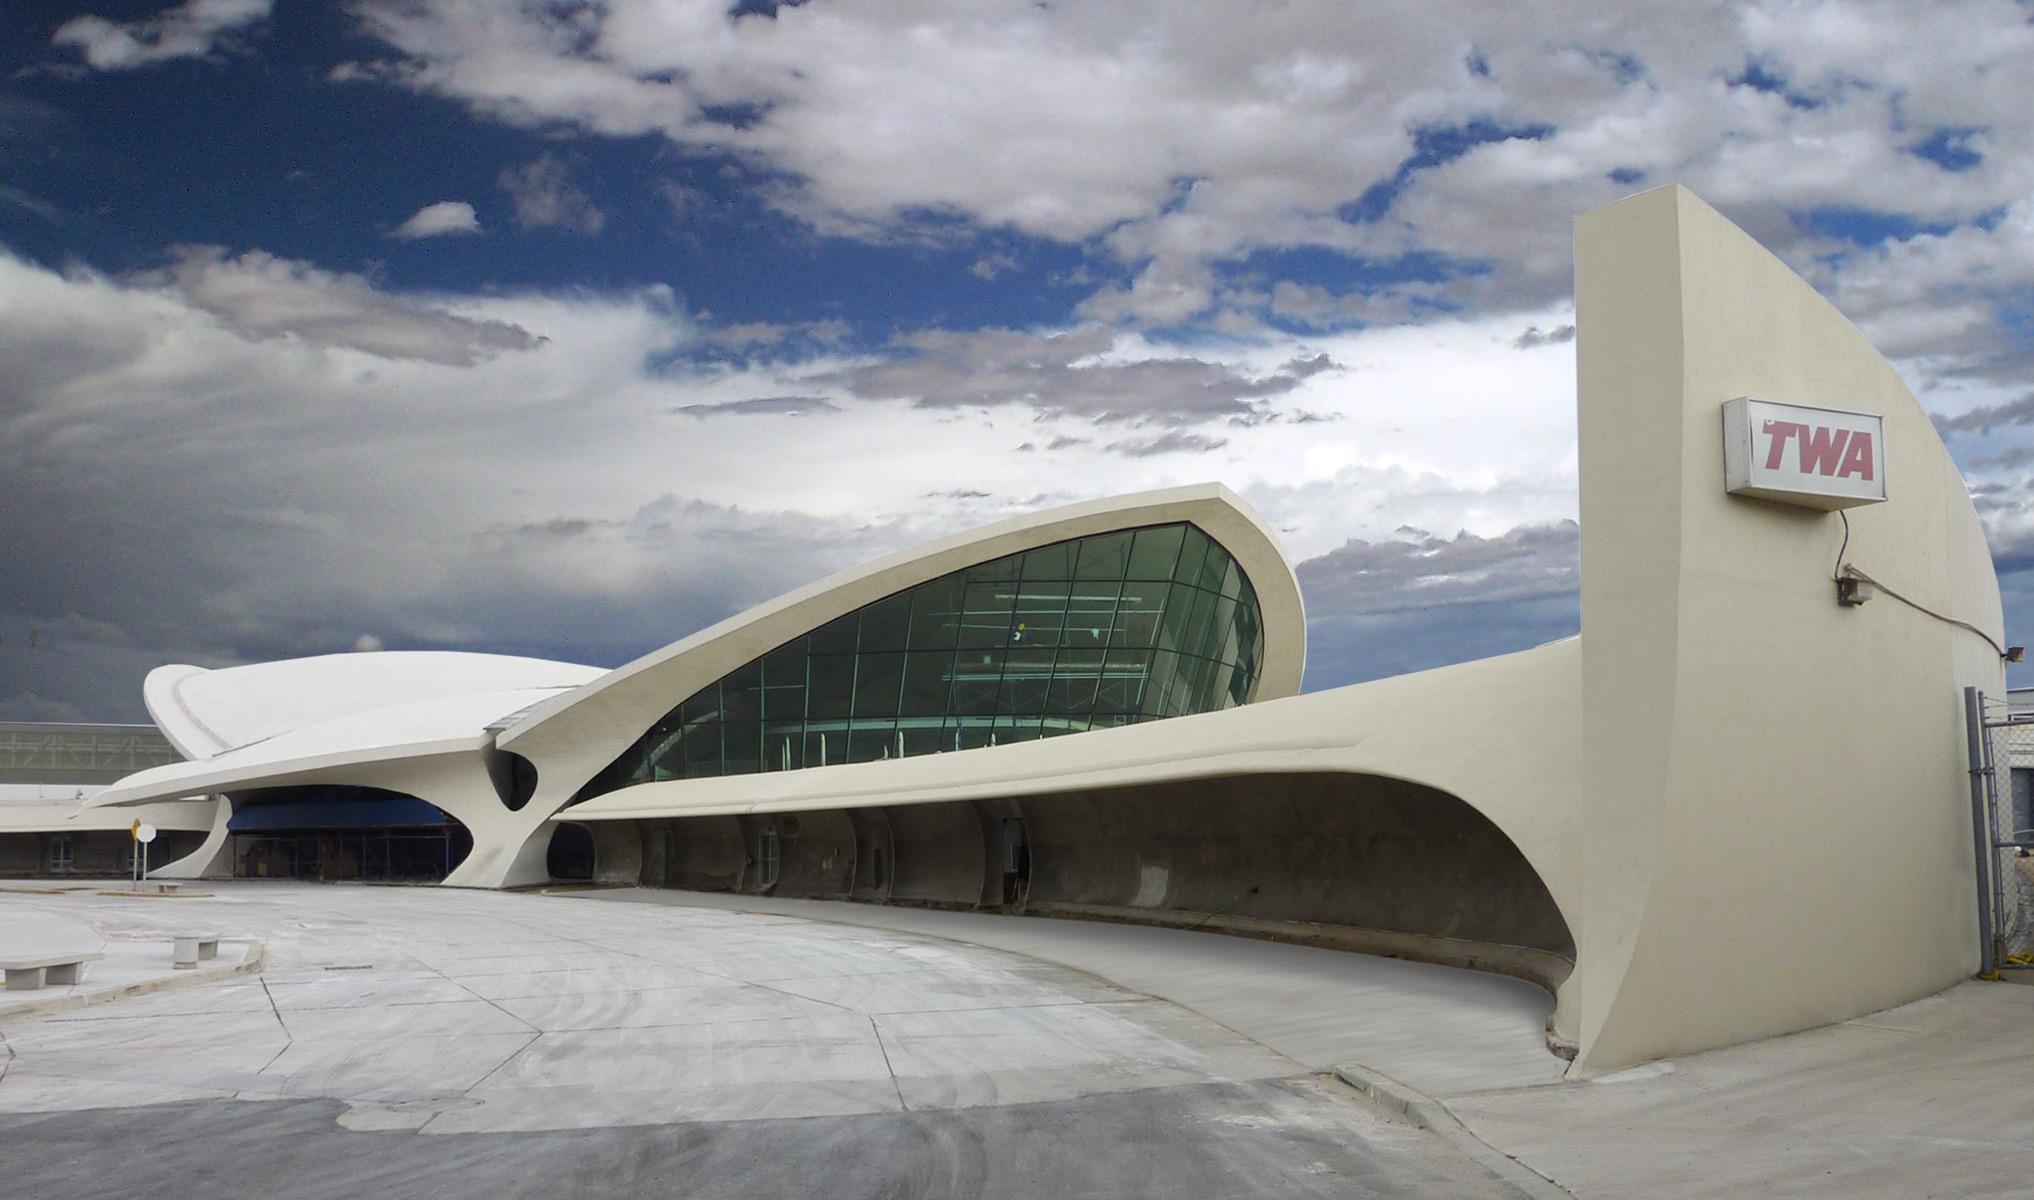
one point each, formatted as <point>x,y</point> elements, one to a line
<point>1735,806</point>
<point>47,772</point>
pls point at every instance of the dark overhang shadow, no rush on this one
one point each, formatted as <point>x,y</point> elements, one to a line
<point>1336,859</point>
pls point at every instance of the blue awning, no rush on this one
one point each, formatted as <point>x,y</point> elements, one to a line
<point>336,814</point>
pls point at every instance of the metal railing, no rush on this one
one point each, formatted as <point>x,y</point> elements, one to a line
<point>2001,757</point>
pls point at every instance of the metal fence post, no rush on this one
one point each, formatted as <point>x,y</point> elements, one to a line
<point>1980,832</point>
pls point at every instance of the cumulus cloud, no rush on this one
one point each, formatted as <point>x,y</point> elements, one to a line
<point>545,199</point>
<point>1172,441</point>
<point>258,295</point>
<point>438,220</point>
<point>1229,174</point>
<point>1415,601</point>
<point>192,29</point>
<point>1416,570</point>
<point>1559,335</point>
<point>751,337</point>
<point>1988,417</point>
<point>1078,372</point>
<point>1437,151</point>
<point>796,406</point>
<point>191,474</point>
<point>1951,294</point>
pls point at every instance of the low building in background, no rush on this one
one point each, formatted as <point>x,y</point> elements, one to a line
<point>49,770</point>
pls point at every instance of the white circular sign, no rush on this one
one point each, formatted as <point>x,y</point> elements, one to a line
<point>144,833</point>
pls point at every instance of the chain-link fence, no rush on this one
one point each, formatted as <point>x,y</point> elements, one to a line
<point>2007,783</point>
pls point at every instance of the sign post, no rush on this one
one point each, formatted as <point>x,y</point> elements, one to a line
<point>143,833</point>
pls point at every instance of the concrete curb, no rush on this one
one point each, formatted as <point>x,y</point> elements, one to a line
<point>1432,1115</point>
<point>181,979</point>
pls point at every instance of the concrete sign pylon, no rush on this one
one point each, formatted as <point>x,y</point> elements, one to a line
<point>1774,832</point>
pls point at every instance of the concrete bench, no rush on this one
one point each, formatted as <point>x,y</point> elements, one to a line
<point>29,974</point>
<point>192,947</point>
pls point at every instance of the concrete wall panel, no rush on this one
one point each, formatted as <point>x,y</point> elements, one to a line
<point>1329,848</point>
<point>875,857</point>
<point>818,855</point>
<point>705,854</point>
<point>22,854</point>
<point>617,852</point>
<point>1313,856</point>
<point>939,853</point>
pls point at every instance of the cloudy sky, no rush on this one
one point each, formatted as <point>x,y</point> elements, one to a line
<point>564,327</point>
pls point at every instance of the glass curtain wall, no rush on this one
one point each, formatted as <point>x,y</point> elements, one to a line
<point>1100,631</point>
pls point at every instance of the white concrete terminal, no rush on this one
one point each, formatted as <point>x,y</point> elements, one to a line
<point>1735,806</point>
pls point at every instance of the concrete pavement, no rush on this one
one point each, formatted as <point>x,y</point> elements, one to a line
<point>1437,1029</point>
<point>124,968</point>
<point>422,1042</point>
<point>1933,1099</point>
<point>416,1042</point>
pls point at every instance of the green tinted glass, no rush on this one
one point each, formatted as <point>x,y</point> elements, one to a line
<point>1097,632</point>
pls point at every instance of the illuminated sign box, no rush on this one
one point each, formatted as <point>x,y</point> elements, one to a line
<point>1814,457</point>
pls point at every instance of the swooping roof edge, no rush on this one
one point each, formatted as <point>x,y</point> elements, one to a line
<point>575,734</point>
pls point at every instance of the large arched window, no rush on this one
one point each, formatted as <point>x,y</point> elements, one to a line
<point>1100,631</point>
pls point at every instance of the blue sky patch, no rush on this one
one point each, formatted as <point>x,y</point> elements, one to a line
<point>115,168</point>
<point>1864,227</point>
<point>1433,147</point>
<point>1950,149</point>
<point>1342,273</point>
<point>1761,77</point>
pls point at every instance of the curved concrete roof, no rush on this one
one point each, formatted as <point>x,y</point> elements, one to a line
<point>205,713</point>
<point>574,735</point>
<point>70,817</point>
<point>388,734</point>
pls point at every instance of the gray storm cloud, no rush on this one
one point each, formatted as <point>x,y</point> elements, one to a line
<point>262,296</point>
<point>1067,373</point>
<point>273,499</point>
<point>789,405</point>
<point>1418,601</point>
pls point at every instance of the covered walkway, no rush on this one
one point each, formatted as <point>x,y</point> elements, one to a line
<point>1443,1030</point>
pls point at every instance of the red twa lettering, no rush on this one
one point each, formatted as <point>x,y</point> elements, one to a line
<point>1821,450</point>
<point>1858,459</point>
<point>1781,431</point>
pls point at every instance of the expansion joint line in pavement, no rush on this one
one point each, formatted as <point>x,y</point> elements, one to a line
<point>466,1093</point>
<point>536,1034</point>
<point>880,1045</point>
<point>490,1001</point>
<point>1437,1118</point>
<point>288,1038</point>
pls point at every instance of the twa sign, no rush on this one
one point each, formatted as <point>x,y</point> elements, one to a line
<point>1816,457</point>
